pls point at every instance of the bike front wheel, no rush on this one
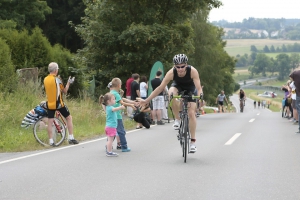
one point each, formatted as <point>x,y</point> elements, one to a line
<point>185,139</point>
<point>40,131</point>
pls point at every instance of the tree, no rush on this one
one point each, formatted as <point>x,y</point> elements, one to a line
<point>242,61</point>
<point>8,79</point>
<point>56,27</point>
<point>272,49</point>
<point>271,68</point>
<point>278,49</point>
<point>253,48</point>
<point>261,64</point>
<point>283,65</point>
<point>27,13</point>
<point>295,60</point>
<point>266,49</point>
<point>210,58</point>
<point>34,50</point>
<point>123,37</point>
<point>252,58</point>
<point>284,49</point>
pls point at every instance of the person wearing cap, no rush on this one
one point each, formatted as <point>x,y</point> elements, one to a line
<point>54,88</point>
<point>185,78</point>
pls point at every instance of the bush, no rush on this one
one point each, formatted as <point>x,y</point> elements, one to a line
<point>8,78</point>
<point>34,50</point>
<point>88,119</point>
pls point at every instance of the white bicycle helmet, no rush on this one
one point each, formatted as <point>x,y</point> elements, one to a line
<point>180,59</point>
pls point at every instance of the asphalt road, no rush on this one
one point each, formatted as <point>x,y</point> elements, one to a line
<point>253,81</point>
<point>250,155</point>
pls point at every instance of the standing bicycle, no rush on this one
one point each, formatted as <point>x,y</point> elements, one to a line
<point>58,130</point>
<point>184,135</point>
<point>37,117</point>
<point>54,88</point>
<point>184,77</point>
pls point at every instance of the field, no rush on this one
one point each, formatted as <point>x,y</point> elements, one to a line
<point>275,103</point>
<point>242,46</point>
<point>242,73</point>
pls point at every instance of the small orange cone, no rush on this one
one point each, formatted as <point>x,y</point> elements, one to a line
<point>203,112</point>
<point>214,111</point>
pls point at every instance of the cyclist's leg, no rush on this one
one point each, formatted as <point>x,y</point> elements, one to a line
<point>65,112</point>
<point>192,119</point>
<point>51,114</point>
<point>175,104</point>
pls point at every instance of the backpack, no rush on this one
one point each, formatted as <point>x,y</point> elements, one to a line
<point>33,116</point>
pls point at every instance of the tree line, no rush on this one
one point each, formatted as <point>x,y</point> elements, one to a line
<point>287,28</point>
<point>284,48</point>
<point>260,63</point>
<point>114,38</point>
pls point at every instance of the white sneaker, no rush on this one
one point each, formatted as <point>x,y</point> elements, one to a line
<point>176,124</point>
<point>193,148</point>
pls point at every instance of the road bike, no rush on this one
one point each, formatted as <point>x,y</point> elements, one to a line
<point>242,104</point>
<point>184,135</point>
<point>59,130</point>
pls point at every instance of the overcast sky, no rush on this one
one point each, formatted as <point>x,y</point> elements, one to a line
<point>237,10</point>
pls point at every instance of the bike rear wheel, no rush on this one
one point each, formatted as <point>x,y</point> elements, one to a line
<point>40,131</point>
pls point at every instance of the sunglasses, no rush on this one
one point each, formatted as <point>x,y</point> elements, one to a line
<point>178,67</point>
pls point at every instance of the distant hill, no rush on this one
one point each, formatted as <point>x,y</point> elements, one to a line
<point>260,28</point>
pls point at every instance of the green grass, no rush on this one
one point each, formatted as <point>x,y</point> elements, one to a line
<point>275,105</point>
<point>241,74</point>
<point>273,55</point>
<point>88,119</point>
<point>242,46</point>
<point>274,83</point>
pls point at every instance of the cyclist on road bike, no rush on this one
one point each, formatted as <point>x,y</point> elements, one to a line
<point>185,78</point>
<point>54,88</point>
<point>220,99</point>
<point>242,96</point>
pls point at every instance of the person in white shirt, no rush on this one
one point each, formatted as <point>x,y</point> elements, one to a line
<point>293,91</point>
<point>143,87</point>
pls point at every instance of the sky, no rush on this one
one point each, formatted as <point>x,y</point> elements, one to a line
<point>237,10</point>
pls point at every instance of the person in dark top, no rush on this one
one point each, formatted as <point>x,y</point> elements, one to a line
<point>242,96</point>
<point>158,102</point>
<point>185,78</point>
<point>295,75</point>
<point>135,87</point>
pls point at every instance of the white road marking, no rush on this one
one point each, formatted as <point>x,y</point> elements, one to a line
<point>57,149</point>
<point>258,113</point>
<point>251,120</point>
<point>229,142</point>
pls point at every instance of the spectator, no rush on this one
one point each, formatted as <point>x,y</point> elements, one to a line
<point>115,88</point>
<point>258,103</point>
<point>158,101</point>
<point>142,117</point>
<point>293,96</point>
<point>108,100</point>
<point>128,95</point>
<point>254,103</point>
<point>54,88</point>
<point>143,87</point>
<point>264,104</point>
<point>135,87</point>
<point>287,97</point>
<point>295,75</point>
